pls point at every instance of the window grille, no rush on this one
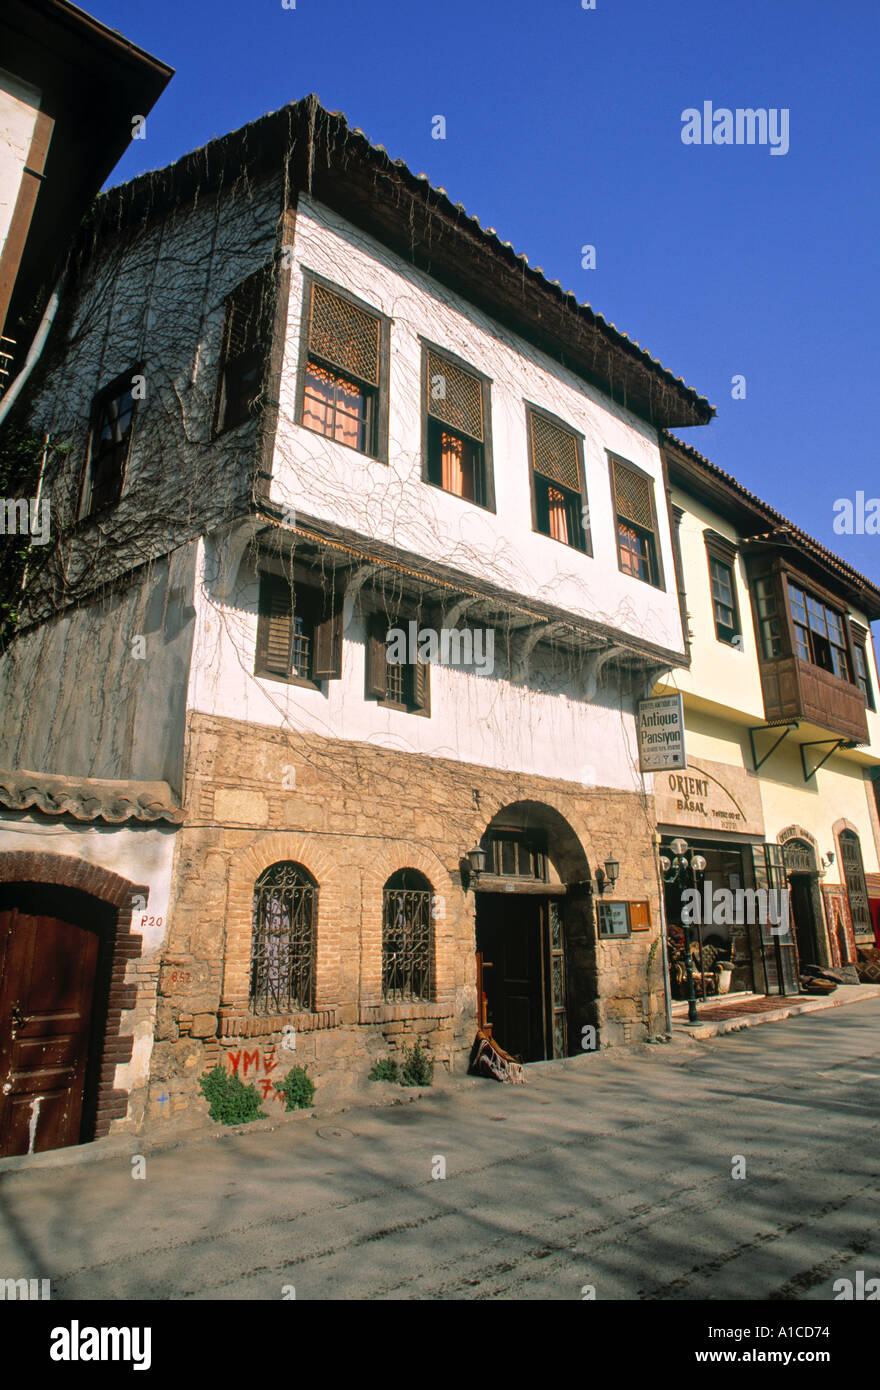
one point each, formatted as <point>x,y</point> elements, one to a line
<point>554,452</point>
<point>407,938</point>
<point>632,496</point>
<point>282,941</point>
<point>455,396</point>
<point>344,335</point>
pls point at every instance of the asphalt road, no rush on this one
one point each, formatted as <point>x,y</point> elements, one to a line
<point>614,1171</point>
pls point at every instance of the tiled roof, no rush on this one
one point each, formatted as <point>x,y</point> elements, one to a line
<point>88,798</point>
<point>780,530</point>
<point>337,145</point>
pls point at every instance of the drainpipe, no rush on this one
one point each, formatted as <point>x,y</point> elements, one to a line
<point>663,944</point>
<point>11,395</point>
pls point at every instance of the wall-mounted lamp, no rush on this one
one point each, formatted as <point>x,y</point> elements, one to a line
<point>609,874</point>
<point>477,860</point>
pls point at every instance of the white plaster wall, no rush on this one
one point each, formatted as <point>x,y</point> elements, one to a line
<point>719,673</point>
<point>142,855</point>
<point>838,791</point>
<point>540,727</point>
<point>390,502</point>
<point>19,107</point>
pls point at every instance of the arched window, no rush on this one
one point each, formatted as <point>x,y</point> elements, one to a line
<point>283,940</point>
<point>407,937</point>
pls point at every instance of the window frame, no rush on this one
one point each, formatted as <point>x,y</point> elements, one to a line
<point>310,885</point>
<point>724,552</point>
<point>319,598</point>
<point>817,596</point>
<point>657,580</point>
<point>378,623</point>
<point>221,425</point>
<point>485,382</point>
<point>860,647</point>
<point>585,530</point>
<point>379,444</point>
<point>426,888</point>
<point>113,389</point>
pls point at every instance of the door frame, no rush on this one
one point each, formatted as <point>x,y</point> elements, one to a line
<point>542,897</point>
<point>121,903</point>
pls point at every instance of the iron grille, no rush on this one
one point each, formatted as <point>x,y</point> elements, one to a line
<point>407,945</point>
<point>344,335</point>
<point>632,495</point>
<point>282,942</point>
<point>555,453</point>
<point>455,396</point>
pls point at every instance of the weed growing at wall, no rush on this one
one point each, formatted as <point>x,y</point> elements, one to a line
<point>385,1070</point>
<point>297,1088</point>
<point>231,1101</point>
<point>417,1069</point>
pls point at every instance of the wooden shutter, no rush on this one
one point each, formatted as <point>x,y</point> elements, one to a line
<point>327,652</point>
<point>377,629</point>
<point>554,452</point>
<point>633,496</point>
<point>455,396</point>
<point>344,335</point>
<point>422,686</point>
<point>274,626</point>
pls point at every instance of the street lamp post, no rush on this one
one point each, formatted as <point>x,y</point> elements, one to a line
<point>682,870</point>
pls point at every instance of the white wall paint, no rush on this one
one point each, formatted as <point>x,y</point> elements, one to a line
<point>390,502</point>
<point>539,728</point>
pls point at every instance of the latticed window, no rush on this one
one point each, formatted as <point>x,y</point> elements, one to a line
<point>456,405</point>
<point>283,940</point>
<point>245,341</point>
<point>342,370</point>
<point>636,522</point>
<point>557,471</point>
<point>407,937</point>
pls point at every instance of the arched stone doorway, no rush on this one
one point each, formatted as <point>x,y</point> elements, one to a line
<point>806,904</point>
<point>536,952</point>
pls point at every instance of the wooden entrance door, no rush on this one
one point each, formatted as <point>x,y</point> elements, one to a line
<point>521,973</point>
<point>48,968</point>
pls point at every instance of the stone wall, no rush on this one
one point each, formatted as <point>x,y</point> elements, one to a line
<point>352,814</point>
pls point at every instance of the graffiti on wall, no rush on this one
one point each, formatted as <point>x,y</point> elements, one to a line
<point>255,1066</point>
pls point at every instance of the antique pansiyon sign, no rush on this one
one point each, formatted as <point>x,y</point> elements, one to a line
<point>661,733</point>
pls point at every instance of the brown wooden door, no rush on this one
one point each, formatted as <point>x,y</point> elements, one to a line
<point>47,984</point>
<point>509,935</point>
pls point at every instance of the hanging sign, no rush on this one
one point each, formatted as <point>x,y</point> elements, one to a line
<point>661,733</point>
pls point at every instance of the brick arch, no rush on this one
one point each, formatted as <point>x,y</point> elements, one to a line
<point>389,859</point>
<point>66,871</point>
<point>244,870</point>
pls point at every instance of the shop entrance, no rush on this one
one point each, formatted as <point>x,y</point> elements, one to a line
<point>521,973</point>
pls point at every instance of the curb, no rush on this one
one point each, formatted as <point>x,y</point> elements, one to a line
<point>716,1029</point>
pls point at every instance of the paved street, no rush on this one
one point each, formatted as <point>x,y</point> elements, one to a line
<point>612,1171</point>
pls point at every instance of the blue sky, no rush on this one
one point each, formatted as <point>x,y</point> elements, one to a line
<point>563,128</point>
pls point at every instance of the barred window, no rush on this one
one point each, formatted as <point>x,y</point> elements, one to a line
<point>283,940</point>
<point>343,377</point>
<point>637,548</point>
<point>407,938</point>
<point>556,455</point>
